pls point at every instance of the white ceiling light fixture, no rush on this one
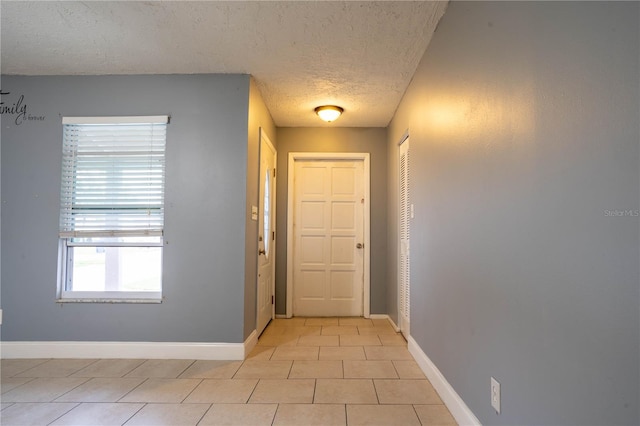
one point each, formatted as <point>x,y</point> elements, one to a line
<point>329,113</point>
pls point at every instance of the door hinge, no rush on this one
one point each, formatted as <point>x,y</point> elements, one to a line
<point>274,172</point>
<point>272,299</point>
<point>273,235</point>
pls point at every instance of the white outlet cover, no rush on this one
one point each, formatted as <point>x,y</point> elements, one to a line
<point>495,395</point>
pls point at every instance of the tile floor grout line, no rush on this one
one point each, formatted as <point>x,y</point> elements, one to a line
<point>65,413</point>
<point>290,368</point>
<point>74,388</point>
<point>45,360</point>
<point>192,390</point>
<point>86,366</point>
<point>396,369</point>
<point>253,391</point>
<point>137,411</point>
<point>134,388</point>
<point>30,368</point>
<point>233,376</point>
<point>416,411</point>
<point>183,371</point>
<point>346,418</point>
<point>315,387</point>
<point>275,413</point>
<point>9,404</point>
<point>204,414</point>
<point>138,365</point>
<point>375,388</point>
<point>31,379</point>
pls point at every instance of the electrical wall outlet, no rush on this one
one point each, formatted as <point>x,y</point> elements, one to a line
<point>495,395</point>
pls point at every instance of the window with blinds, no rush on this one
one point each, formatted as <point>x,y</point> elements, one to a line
<point>112,207</point>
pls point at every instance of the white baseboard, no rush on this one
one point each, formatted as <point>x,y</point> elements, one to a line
<point>388,318</point>
<point>250,343</point>
<point>378,316</point>
<point>455,404</point>
<point>143,350</point>
<point>281,316</point>
<point>394,325</point>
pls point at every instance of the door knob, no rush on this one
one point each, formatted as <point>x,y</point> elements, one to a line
<point>359,245</point>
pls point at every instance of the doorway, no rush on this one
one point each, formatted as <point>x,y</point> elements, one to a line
<point>328,235</point>
<point>266,234</point>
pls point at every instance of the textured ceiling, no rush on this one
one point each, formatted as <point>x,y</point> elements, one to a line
<point>359,55</point>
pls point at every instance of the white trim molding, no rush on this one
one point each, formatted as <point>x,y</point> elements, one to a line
<point>144,350</point>
<point>250,343</point>
<point>379,316</point>
<point>388,318</point>
<point>455,404</point>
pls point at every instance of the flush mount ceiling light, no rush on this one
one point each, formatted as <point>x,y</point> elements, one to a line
<point>329,113</point>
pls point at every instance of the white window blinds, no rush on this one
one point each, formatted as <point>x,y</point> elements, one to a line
<point>113,176</point>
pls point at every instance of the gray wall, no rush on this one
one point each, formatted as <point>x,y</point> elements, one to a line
<point>524,132</point>
<point>204,255</point>
<point>326,139</point>
<point>259,117</point>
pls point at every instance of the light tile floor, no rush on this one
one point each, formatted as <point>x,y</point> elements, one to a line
<point>304,371</point>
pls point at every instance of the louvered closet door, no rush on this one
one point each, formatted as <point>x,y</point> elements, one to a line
<point>404,286</point>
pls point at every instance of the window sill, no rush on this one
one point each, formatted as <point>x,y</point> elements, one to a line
<point>134,301</point>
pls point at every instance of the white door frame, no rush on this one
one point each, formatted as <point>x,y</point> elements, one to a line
<point>310,156</point>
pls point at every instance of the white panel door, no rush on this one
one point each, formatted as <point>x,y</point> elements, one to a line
<point>328,272</point>
<point>266,234</point>
<point>404,270</point>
